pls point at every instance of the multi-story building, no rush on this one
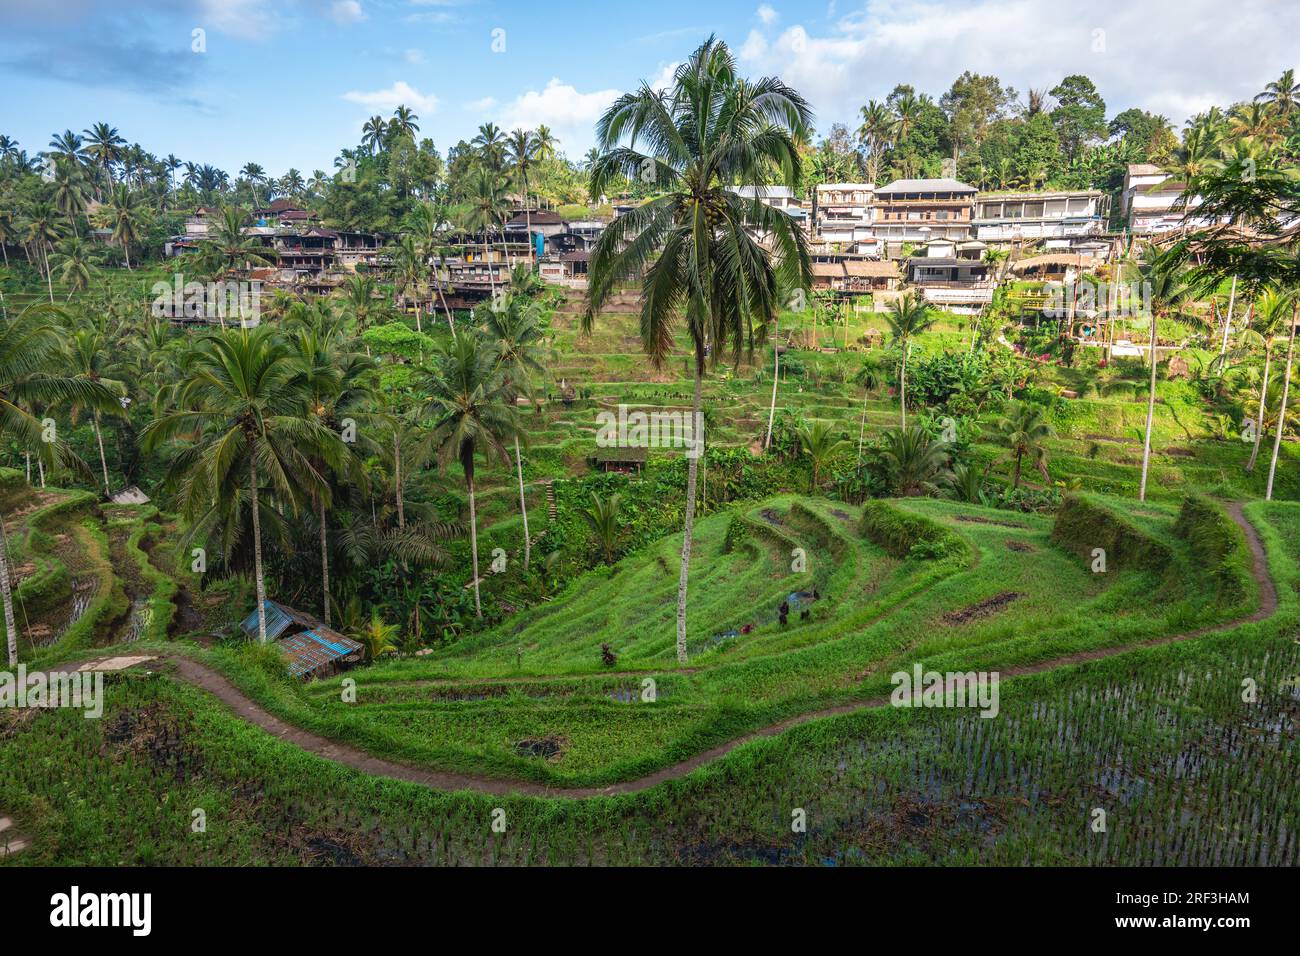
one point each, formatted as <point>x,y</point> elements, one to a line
<point>1155,203</point>
<point>1008,217</point>
<point>918,210</point>
<point>842,215</point>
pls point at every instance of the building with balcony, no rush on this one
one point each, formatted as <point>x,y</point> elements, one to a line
<point>1013,217</point>
<point>918,210</point>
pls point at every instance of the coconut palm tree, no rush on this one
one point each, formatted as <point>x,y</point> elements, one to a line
<point>487,208</point>
<point>546,143</point>
<point>1271,313</point>
<point>31,364</point>
<point>104,146</point>
<point>1168,286</point>
<point>42,231</point>
<point>89,359</point>
<point>907,318</point>
<point>491,145</point>
<point>1282,95</point>
<point>820,443</point>
<point>521,148</point>
<point>377,636</point>
<point>878,129</point>
<point>404,122</point>
<point>126,216</point>
<point>693,248</point>
<point>373,134</point>
<point>69,198</point>
<point>914,464</point>
<point>871,378</point>
<point>516,333</point>
<point>72,257</point>
<point>1023,429</point>
<point>1281,413</point>
<point>242,398</point>
<point>229,245</point>
<point>473,415</point>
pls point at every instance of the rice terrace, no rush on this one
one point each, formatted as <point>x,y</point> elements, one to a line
<point>914,483</point>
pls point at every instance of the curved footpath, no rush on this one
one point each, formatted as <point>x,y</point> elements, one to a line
<point>214,683</point>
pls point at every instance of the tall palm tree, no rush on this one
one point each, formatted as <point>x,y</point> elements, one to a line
<point>1281,412</point>
<point>472,415</point>
<point>522,151</point>
<point>877,131</point>
<point>487,207</point>
<point>373,133</point>
<point>1282,95</point>
<point>1271,313</point>
<point>126,216</point>
<point>89,359</point>
<point>104,146</point>
<point>405,122</point>
<point>241,396</point>
<point>491,145</point>
<point>67,145</point>
<point>692,249</point>
<point>546,143</point>
<point>1024,429</point>
<point>1162,274</point>
<point>31,363</point>
<point>72,256</point>
<point>42,231</point>
<point>69,198</point>
<point>229,245</point>
<point>907,318</point>
<point>516,333</point>
<point>820,443</point>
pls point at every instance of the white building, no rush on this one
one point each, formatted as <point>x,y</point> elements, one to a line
<point>1006,217</point>
<point>843,215</point>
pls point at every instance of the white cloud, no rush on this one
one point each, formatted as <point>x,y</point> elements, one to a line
<point>245,19</point>
<point>413,56</point>
<point>1169,56</point>
<point>766,14</point>
<point>483,105</point>
<point>399,94</point>
<point>569,113</point>
<point>346,11</point>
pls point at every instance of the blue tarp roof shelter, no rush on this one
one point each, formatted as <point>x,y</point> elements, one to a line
<point>316,650</point>
<point>278,620</point>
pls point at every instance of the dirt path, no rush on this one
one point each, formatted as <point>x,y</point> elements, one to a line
<point>209,680</point>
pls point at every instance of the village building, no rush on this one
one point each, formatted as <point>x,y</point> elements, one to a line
<point>951,280</point>
<point>917,210</point>
<point>842,215</point>
<point>1016,217</point>
<point>310,648</point>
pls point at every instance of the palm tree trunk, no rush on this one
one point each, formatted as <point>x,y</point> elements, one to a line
<point>776,377</point>
<point>1015,478</point>
<point>324,565</point>
<point>451,323</point>
<point>473,542</point>
<point>126,251</point>
<point>1259,417</point>
<point>902,386</point>
<point>1151,411</point>
<point>523,505</point>
<point>1281,413</point>
<point>49,281</point>
<point>528,224</point>
<point>1227,322</point>
<point>862,429</point>
<point>257,553</point>
<point>11,629</point>
<point>103,462</point>
<point>692,468</point>
<point>397,481</point>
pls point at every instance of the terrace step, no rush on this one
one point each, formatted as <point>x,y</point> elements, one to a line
<point>550,499</point>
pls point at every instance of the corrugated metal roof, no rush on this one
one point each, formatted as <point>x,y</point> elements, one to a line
<point>313,650</point>
<point>278,621</point>
<point>925,186</point>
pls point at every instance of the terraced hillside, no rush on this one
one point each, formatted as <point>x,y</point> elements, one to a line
<point>990,590</point>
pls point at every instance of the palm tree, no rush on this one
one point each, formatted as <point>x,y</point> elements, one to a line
<point>487,208</point>
<point>692,249</point>
<point>870,378</point>
<point>546,143</point>
<point>472,414</point>
<point>820,443</point>
<point>228,244</point>
<point>1023,429</point>
<point>522,151</point>
<point>1168,285</point>
<point>241,397</point>
<point>914,464</point>
<point>30,357</point>
<point>1281,412</point>
<point>908,318</point>
<point>877,131</point>
<point>125,215</point>
<point>89,357</point>
<point>68,196</point>
<point>1282,95</point>
<point>491,144</point>
<point>373,133</point>
<point>1271,313</point>
<point>73,258</point>
<point>602,516</point>
<point>516,333</point>
<point>42,231</point>
<point>104,147</point>
<point>404,122</point>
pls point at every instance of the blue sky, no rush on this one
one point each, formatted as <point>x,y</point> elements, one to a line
<point>289,82</point>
